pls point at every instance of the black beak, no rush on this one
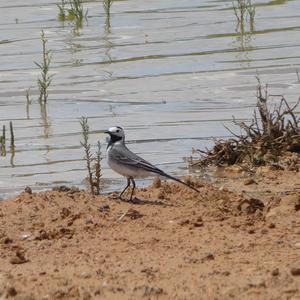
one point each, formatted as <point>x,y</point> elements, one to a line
<point>106,131</point>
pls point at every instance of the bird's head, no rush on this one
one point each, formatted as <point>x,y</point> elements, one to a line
<point>116,134</point>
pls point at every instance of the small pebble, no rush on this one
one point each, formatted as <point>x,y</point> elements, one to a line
<point>275,272</point>
<point>249,181</point>
<point>85,275</point>
<point>7,240</point>
<point>11,292</point>
<point>19,258</point>
<point>104,208</point>
<point>24,237</point>
<point>295,269</point>
<point>297,245</point>
<point>28,190</point>
<point>208,256</point>
<point>272,225</point>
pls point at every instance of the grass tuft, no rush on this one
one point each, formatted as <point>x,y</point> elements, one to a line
<point>93,163</point>
<point>73,13</point>
<point>62,11</point>
<point>45,80</point>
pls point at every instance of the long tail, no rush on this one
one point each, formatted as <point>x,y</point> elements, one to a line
<point>176,179</point>
<point>149,167</point>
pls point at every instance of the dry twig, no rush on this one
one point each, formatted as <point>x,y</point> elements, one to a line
<point>272,135</point>
<point>94,170</point>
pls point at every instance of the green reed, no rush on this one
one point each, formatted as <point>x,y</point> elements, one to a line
<point>3,142</point>
<point>12,143</point>
<point>28,102</point>
<point>107,5</point>
<point>75,12</point>
<point>244,10</point>
<point>12,137</point>
<point>45,80</point>
<point>62,11</point>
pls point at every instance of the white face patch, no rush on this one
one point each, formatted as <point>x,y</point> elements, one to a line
<point>116,131</point>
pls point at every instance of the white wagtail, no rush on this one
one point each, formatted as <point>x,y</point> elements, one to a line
<point>128,164</point>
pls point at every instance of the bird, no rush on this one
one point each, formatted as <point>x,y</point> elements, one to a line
<point>128,164</point>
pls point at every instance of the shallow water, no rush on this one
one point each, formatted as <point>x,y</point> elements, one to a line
<point>171,72</point>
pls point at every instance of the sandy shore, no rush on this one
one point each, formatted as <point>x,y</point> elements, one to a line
<point>238,239</point>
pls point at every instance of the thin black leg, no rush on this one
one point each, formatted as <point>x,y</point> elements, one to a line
<point>133,188</point>
<point>127,186</point>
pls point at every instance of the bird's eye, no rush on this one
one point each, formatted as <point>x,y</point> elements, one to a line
<point>118,130</point>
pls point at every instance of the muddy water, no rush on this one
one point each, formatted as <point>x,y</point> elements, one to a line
<point>171,72</point>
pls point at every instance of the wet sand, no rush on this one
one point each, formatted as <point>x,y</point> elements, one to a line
<point>238,239</point>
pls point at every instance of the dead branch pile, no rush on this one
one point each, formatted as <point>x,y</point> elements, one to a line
<point>271,138</point>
